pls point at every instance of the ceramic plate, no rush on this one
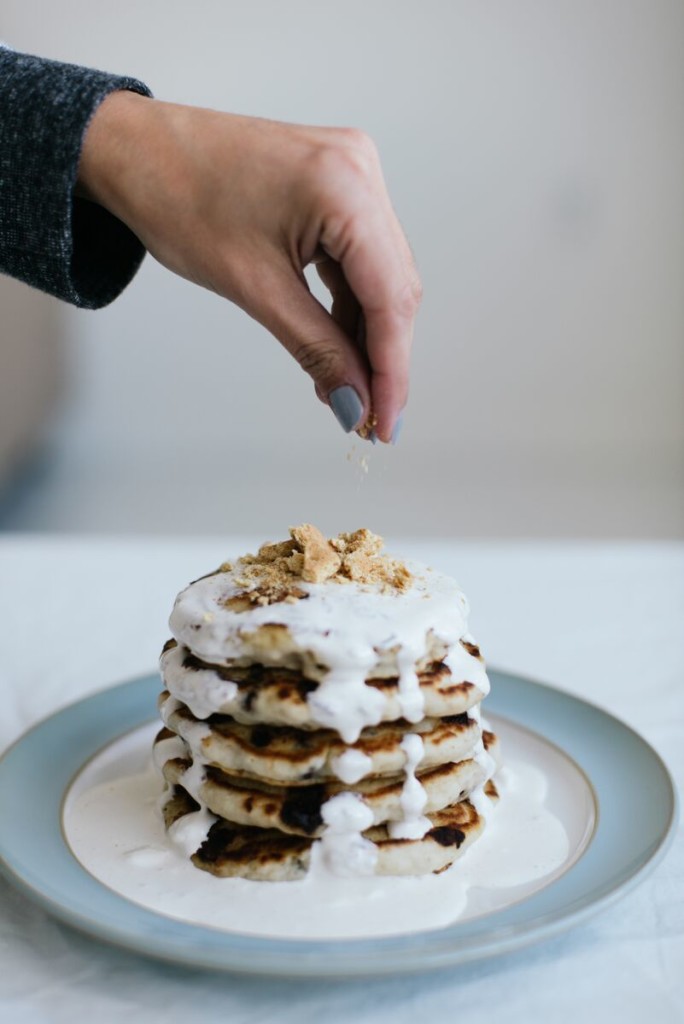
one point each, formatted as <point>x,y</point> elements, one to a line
<point>620,771</point>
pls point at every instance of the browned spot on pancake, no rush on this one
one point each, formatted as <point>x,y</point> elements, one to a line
<point>215,774</point>
<point>271,808</point>
<point>488,738</point>
<point>441,770</point>
<point>382,684</point>
<point>430,676</point>
<point>164,734</point>
<point>169,645</point>
<point>462,688</point>
<point>382,740</point>
<point>249,804</point>
<point>226,843</point>
<point>193,664</point>
<point>461,719</point>
<point>446,835</point>
<point>471,648</point>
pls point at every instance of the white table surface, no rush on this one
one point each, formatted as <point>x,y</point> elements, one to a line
<point>605,622</point>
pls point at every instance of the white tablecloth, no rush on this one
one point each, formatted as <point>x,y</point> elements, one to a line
<point>603,621</point>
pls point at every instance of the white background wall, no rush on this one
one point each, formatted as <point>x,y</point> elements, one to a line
<point>535,153</point>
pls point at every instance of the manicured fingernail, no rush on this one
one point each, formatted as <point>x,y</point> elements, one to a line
<point>373,437</point>
<point>347,406</point>
<point>397,429</point>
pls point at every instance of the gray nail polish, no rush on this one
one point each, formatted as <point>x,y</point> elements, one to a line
<point>397,429</point>
<point>347,406</point>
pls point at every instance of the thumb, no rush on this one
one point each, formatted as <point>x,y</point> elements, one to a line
<point>339,369</point>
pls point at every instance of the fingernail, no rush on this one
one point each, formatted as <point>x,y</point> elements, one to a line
<point>373,437</point>
<point>347,407</point>
<point>397,429</point>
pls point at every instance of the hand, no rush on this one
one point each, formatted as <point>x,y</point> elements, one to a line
<point>241,205</point>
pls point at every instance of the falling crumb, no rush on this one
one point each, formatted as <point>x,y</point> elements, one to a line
<point>361,459</point>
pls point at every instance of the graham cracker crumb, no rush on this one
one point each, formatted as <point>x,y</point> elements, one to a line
<point>295,563</point>
<point>367,428</point>
<point>272,552</point>
<point>319,559</point>
<point>273,574</point>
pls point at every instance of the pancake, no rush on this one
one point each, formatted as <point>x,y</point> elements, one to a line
<point>274,645</point>
<point>286,755</point>
<point>277,696</point>
<point>322,708</point>
<point>297,810</point>
<point>238,851</point>
<point>297,603</point>
<point>232,850</point>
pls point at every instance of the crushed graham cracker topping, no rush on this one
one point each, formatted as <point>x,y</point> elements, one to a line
<point>367,428</point>
<point>274,574</point>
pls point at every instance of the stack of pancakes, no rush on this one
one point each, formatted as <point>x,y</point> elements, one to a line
<point>323,691</point>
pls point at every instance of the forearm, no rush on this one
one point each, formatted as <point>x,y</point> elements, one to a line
<point>50,238</point>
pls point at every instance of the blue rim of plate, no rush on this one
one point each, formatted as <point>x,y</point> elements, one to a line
<point>624,771</point>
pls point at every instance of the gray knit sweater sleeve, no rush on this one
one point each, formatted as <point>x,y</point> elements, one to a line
<point>50,238</point>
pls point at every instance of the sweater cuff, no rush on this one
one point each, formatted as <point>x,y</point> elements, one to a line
<point>49,238</point>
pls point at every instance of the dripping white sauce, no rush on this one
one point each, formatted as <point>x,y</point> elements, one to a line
<point>343,851</point>
<point>413,824</point>
<point>190,831</point>
<point>351,766</point>
<point>348,627</point>
<point>541,825</point>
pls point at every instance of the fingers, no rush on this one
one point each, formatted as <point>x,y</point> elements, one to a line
<point>389,295</point>
<point>367,240</point>
<point>345,309</point>
<point>322,344</point>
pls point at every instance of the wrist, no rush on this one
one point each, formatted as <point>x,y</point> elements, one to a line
<point>109,147</point>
